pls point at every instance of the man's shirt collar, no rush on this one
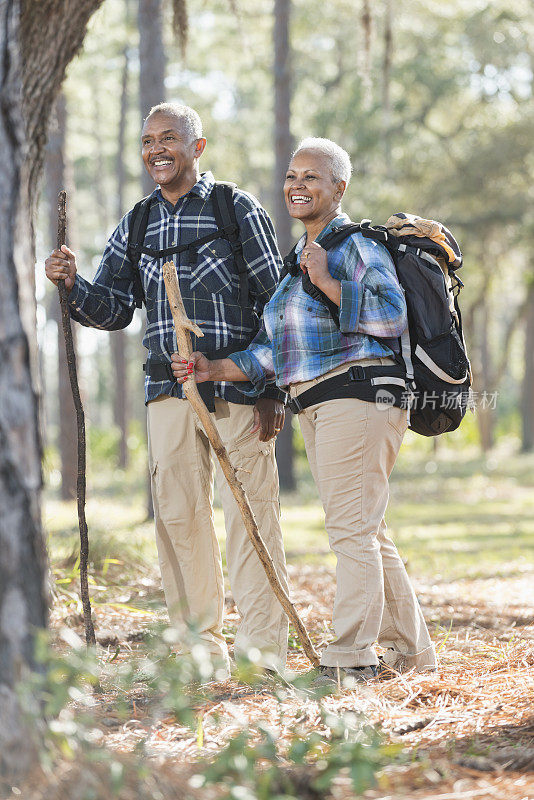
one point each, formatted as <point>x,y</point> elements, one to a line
<point>202,189</point>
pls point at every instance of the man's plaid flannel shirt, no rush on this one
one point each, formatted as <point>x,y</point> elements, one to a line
<point>298,339</point>
<point>209,289</point>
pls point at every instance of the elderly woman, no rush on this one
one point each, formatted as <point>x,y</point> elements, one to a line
<point>335,311</point>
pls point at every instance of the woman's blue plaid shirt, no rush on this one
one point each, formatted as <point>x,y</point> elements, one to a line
<point>298,339</point>
<point>209,289</point>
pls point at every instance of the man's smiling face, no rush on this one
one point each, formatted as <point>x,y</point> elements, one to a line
<point>168,154</point>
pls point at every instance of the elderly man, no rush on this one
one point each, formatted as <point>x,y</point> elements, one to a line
<point>227,272</point>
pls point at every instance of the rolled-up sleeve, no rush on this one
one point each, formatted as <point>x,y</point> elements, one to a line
<point>109,302</point>
<point>257,364</point>
<point>372,300</point>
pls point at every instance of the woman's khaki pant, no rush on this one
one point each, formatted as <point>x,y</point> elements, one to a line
<point>352,446</point>
<point>190,560</point>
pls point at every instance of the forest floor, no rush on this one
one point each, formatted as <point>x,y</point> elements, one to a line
<point>465,526</point>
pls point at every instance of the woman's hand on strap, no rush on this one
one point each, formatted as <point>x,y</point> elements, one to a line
<point>198,365</point>
<point>314,261</point>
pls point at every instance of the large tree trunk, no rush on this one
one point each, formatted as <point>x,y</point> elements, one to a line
<point>23,605</point>
<point>52,32</point>
<point>56,181</point>
<point>283,146</point>
<point>47,33</point>
<point>527,394</point>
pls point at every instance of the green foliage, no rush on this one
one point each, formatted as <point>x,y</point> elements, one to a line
<point>102,443</point>
<point>60,700</point>
<point>312,763</point>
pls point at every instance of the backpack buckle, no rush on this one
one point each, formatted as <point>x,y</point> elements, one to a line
<point>231,230</point>
<point>357,373</point>
<point>294,405</point>
<point>236,246</point>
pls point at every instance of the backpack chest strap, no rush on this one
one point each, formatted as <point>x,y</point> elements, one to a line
<point>222,197</point>
<point>192,247</point>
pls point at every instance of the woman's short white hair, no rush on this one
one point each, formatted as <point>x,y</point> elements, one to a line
<point>339,158</point>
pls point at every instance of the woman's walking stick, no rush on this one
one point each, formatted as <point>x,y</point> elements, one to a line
<point>80,421</point>
<point>183,325</point>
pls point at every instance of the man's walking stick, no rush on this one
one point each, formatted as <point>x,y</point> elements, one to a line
<point>183,325</point>
<point>80,421</point>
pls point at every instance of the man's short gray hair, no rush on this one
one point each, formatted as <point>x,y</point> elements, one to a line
<point>189,119</point>
<point>339,158</point>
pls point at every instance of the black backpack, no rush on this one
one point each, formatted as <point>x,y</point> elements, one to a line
<point>222,196</point>
<point>432,350</point>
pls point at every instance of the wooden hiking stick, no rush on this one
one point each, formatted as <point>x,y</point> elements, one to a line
<point>80,421</point>
<point>183,325</point>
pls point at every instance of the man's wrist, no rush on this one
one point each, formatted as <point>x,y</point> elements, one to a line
<point>272,392</point>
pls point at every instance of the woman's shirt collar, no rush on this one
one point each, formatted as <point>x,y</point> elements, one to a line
<point>340,219</point>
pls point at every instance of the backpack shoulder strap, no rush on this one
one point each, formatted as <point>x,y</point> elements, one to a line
<point>136,238</point>
<point>289,266</point>
<point>339,233</point>
<point>225,217</point>
<point>223,204</point>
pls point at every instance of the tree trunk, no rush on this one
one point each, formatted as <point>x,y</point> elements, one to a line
<point>119,338</point>
<point>51,33</point>
<point>151,64</point>
<point>56,180</point>
<point>37,41</point>
<point>23,605</point>
<point>527,394</point>
<point>151,91</point>
<point>386,83</point>
<point>366,52</point>
<point>283,141</point>
<point>283,146</point>
<point>119,341</point>
<point>485,413</point>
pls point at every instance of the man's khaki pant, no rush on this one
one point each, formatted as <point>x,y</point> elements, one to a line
<point>352,446</point>
<point>190,560</point>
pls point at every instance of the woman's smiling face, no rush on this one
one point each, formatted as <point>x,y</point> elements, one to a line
<point>309,191</point>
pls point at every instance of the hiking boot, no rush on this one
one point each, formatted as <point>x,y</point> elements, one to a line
<point>347,676</point>
<point>392,664</point>
<point>392,667</point>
